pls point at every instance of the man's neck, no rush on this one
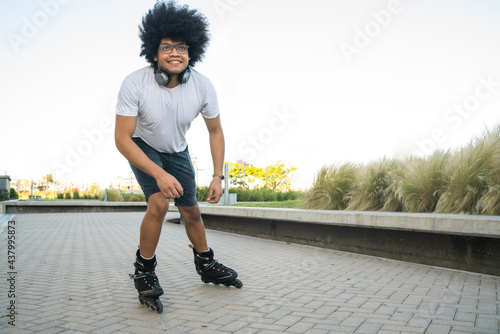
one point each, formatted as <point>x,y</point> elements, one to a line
<point>174,81</point>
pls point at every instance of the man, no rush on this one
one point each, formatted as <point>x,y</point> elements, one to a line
<point>155,108</point>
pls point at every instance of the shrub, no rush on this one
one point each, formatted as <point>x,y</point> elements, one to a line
<point>137,198</point>
<point>468,172</point>
<point>125,196</point>
<point>254,195</point>
<point>463,181</point>
<point>424,182</point>
<point>76,194</point>
<point>331,187</point>
<point>289,195</point>
<point>67,195</point>
<point>392,196</point>
<point>489,203</point>
<point>201,194</point>
<point>114,195</point>
<point>101,195</point>
<point>243,194</point>
<point>251,195</point>
<point>132,197</point>
<point>13,194</point>
<point>257,195</point>
<point>269,195</point>
<point>369,191</point>
<point>4,195</point>
<point>60,196</point>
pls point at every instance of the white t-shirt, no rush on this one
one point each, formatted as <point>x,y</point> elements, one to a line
<point>164,115</point>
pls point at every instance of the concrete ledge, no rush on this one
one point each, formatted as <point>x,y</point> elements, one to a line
<point>72,206</point>
<point>460,242</point>
<point>488,226</point>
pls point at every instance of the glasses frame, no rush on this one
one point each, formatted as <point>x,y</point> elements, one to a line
<point>173,47</point>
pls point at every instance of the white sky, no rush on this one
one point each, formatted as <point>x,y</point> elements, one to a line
<point>297,81</point>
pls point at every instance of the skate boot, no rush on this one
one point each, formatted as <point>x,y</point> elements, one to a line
<point>211,271</point>
<point>147,283</point>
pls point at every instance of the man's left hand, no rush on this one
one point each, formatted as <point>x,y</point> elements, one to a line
<point>215,191</point>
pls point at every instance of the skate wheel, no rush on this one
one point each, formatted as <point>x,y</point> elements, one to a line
<point>238,283</point>
<point>159,306</point>
<point>141,300</point>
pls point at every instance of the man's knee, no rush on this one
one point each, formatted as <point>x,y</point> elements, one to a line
<point>190,213</point>
<point>158,204</point>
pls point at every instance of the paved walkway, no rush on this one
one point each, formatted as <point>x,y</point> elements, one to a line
<point>72,277</point>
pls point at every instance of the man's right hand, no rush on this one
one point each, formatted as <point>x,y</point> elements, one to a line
<point>124,129</point>
<point>169,186</point>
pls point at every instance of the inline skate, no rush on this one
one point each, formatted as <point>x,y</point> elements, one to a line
<point>211,271</point>
<point>146,282</point>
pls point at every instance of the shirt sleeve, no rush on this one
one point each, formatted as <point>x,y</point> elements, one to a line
<point>128,98</point>
<point>210,107</point>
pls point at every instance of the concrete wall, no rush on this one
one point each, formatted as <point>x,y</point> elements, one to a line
<point>469,253</point>
<point>464,242</point>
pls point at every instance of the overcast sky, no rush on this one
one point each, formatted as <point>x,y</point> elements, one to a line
<point>308,83</point>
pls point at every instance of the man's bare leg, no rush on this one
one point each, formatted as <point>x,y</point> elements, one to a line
<point>152,223</point>
<point>195,229</point>
<point>210,270</point>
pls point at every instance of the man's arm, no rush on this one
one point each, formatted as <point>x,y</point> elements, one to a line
<point>216,137</point>
<point>124,130</point>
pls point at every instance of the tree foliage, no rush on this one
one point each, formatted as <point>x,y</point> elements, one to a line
<point>275,177</point>
<point>242,174</point>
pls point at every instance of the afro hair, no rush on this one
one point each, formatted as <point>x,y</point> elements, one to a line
<point>180,24</point>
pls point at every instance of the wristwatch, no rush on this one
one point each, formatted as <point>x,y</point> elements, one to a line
<point>219,175</point>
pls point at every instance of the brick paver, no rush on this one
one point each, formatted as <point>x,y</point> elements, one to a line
<point>72,277</point>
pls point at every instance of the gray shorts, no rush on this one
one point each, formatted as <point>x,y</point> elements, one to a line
<point>178,165</point>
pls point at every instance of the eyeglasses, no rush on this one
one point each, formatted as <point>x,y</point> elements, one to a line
<point>168,48</point>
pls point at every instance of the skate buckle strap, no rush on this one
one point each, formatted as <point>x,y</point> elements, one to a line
<point>143,275</point>
<point>209,265</point>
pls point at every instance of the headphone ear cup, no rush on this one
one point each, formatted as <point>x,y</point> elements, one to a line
<point>162,78</point>
<point>184,77</point>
